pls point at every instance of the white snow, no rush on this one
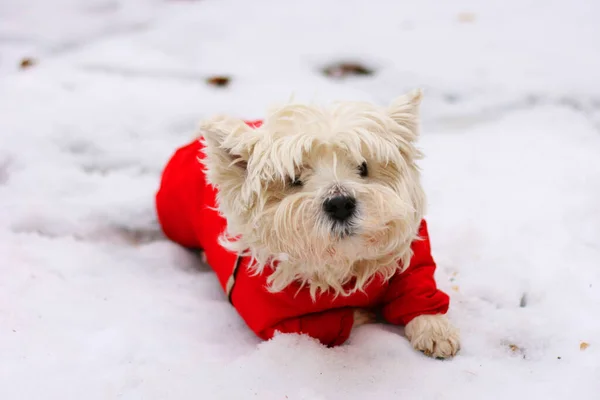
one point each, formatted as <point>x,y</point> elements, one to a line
<point>96,304</point>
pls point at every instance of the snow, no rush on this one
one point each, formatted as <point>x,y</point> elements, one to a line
<point>96,304</point>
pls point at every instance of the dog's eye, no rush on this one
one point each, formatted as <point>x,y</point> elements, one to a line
<point>363,170</point>
<point>296,182</point>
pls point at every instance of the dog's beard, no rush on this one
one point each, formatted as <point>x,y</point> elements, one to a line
<point>311,248</point>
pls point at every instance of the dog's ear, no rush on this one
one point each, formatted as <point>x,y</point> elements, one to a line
<point>404,110</point>
<point>228,138</point>
<point>228,145</point>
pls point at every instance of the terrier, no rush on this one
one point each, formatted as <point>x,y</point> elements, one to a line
<point>313,220</point>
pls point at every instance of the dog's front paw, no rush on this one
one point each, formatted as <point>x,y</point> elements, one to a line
<point>434,335</point>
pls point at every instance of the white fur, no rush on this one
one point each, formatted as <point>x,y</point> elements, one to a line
<point>271,221</point>
<point>434,335</point>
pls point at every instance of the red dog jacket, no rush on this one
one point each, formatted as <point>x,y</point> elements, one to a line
<point>185,205</point>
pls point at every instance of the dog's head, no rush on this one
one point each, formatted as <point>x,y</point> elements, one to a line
<point>332,194</point>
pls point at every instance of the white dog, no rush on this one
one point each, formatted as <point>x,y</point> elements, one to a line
<point>313,220</point>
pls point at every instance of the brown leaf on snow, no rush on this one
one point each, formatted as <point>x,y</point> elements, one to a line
<point>455,288</point>
<point>26,63</point>
<point>343,69</point>
<point>517,350</point>
<point>583,345</point>
<point>218,80</point>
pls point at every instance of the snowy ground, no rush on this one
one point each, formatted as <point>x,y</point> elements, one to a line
<point>95,304</point>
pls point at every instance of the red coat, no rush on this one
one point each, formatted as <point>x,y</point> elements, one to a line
<point>185,205</point>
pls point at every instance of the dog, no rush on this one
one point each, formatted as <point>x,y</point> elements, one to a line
<point>313,220</point>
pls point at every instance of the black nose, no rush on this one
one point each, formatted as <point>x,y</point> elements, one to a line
<point>340,208</point>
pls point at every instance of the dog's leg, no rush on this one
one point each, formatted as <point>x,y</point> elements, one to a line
<point>434,335</point>
<point>363,317</point>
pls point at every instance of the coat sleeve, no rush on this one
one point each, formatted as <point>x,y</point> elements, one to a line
<point>414,291</point>
<point>288,311</point>
<point>179,194</point>
<point>331,327</point>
